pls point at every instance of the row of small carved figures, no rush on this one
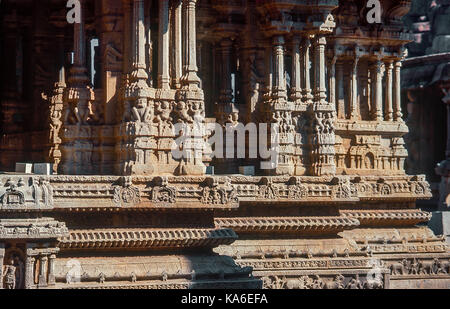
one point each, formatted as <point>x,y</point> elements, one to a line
<point>164,276</point>
<point>316,282</point>
<point>300,254</point>
<point>420,267</point>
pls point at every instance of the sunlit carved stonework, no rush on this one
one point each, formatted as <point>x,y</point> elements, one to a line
<point>336,211</point>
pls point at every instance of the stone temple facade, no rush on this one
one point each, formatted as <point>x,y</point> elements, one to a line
<point>100,100</point>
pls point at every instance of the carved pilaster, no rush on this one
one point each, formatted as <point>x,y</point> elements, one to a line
<point>353,110</point>
<point>51,269</point>
<point>135,152</point>
<point>332,79</point>
<point>226,111</point>
<point>29,272</point>
<point>389,112</point>
<point>77,133</point>
<point>190,78</point>
<point>323,114</point>
<point>319,70</point>
<point>377,81</point>
<point>178,39</point>
<point>296,87</point>
<point>279,80</point>
<point>164,40</point>
<point>398,115</point>
<point>305,68</point>
<point>42,281</point>
<point>340,106</point>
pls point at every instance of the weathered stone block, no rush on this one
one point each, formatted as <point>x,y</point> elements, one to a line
<point>247,170</point>
<point>43,168</point>
<point>25,168</point>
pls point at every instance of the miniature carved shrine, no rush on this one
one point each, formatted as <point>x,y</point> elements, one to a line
<point>99,100</point>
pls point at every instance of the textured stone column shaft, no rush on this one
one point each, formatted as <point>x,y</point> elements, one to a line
<point>190,78</point>
<point>29,272</point>
<point>178,37</point>
<point>42,265</point>
<point>79,40</point>
<point>332,80</point>
<point>388,100</point>
<point>296,70</point>
<point>354,89</point>
<point>398,115</point>
<point>51,269</point>
<point>163,46</point>
<point>127,21</point>
<point>138,41</point>
<point>306,66</point>
<point>79,75</point>
<point>340,90</point>
<point>319,70</point>
<point>279,80</point>
<point>377,81</point>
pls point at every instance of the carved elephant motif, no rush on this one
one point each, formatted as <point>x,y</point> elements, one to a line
<point>398,268</point>
<point>427,267</point>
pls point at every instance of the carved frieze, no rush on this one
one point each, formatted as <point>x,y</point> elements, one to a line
<point>25,193</point>
<point>32,229</point>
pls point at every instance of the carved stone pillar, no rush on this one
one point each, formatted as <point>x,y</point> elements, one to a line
<point>137,132</point>
<point>163,46</point>
<point>279,80</point>
<point>332,80</point>
<point>340,106</point>
<point>51,269</point>
<point>2,257</point>
<point>226,111</point>
<point>127,38</point>
<point>296,87</point>
<point>354,89</point>
<point>388,115</point>
<point>42,271</point>
<point>398,115</point>
<point>178,37</point>
<point>138,75</point>
<point>190,77</point>
<point>319,70</point>
<point>377,81</point>
<point>77,144</point>
<point>79,73</point>
<point>306,66</point>
<point>56,104</point>
<point>29,272</point>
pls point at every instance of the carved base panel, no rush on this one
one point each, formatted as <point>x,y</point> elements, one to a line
<point>355,279</point>
<point>158,271</point>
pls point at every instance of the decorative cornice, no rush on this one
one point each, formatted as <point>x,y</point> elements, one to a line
<point>147,238</point>
<point>408,217</point>
<point>283,224</point>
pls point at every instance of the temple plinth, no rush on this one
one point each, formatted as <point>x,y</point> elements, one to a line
<point>213,144</point>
